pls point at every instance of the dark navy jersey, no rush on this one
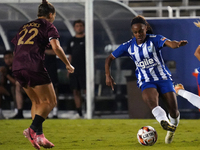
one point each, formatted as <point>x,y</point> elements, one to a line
<point>30,43</point>
<point>147,57</point>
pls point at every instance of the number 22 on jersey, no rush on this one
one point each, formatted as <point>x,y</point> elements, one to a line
<point>33,32</point>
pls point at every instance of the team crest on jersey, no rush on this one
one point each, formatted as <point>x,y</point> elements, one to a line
<point>150,49</point>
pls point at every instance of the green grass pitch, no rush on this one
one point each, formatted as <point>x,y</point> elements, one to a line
<point>99,134</point>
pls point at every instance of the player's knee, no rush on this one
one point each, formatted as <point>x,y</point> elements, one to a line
<point>53,102</point>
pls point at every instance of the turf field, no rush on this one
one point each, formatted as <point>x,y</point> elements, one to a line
<point>98,134</point>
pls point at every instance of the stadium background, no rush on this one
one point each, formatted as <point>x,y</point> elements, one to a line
<point>173,19</point>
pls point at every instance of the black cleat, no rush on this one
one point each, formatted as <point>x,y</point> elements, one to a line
<point>167,126</point>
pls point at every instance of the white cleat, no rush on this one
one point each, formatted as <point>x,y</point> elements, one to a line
<point>169,137</point>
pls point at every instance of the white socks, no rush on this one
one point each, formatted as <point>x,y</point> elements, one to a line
<point>159,114</point>
<point>192,98</point>
<point>174,121</point>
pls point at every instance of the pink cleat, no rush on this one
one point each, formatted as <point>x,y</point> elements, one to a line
<point>31,136</point>
<point>42,141</point>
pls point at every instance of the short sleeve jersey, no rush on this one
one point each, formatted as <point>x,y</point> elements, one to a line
<point>147,57</point>
<point>30,43</point>
<point>76,48</point>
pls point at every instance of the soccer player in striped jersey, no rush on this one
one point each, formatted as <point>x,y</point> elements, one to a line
<point>152,76</point>
<point>28,69</point>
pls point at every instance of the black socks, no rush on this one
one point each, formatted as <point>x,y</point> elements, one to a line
<point>37,124</point>
<point>79,110</point>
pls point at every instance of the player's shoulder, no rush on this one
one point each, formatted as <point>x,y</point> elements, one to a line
<point>44,23</point>
<point>155,37</point>
<point>152,36</point>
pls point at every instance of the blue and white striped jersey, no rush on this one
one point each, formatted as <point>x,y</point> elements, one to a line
<point>147,57</point>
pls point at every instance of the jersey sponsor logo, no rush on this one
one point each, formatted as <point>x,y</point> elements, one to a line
<point>146,63</point>
<point>81,43</point>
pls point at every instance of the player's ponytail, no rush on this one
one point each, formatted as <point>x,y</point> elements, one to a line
<point>45,8</point>
<point>149,29</point>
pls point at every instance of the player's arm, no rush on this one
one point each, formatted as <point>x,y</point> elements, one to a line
<point>60,53</point>
<point>197,53</point>
<point>109,78</point>
<point>175,44</point>
<point>70,58</point>
<point>11,79</point>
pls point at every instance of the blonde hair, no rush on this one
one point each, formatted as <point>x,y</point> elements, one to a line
<point>197,24</point>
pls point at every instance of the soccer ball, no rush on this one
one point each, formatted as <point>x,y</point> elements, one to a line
<point>147,136</point>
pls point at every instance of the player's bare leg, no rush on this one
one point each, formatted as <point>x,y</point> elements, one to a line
<point>44,99</point>
<point>174,115</point>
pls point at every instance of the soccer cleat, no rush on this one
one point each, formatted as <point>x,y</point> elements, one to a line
<point>169,137</point>
<point>42,141</point>
<point>167,126</point>
<point>18,116</point>
<point>31,136</point>
<point>178,87</point>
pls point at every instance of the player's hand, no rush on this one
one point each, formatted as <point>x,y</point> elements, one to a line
<point>110,81</point>
<point>182,43</point>
<point>70,68</point>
